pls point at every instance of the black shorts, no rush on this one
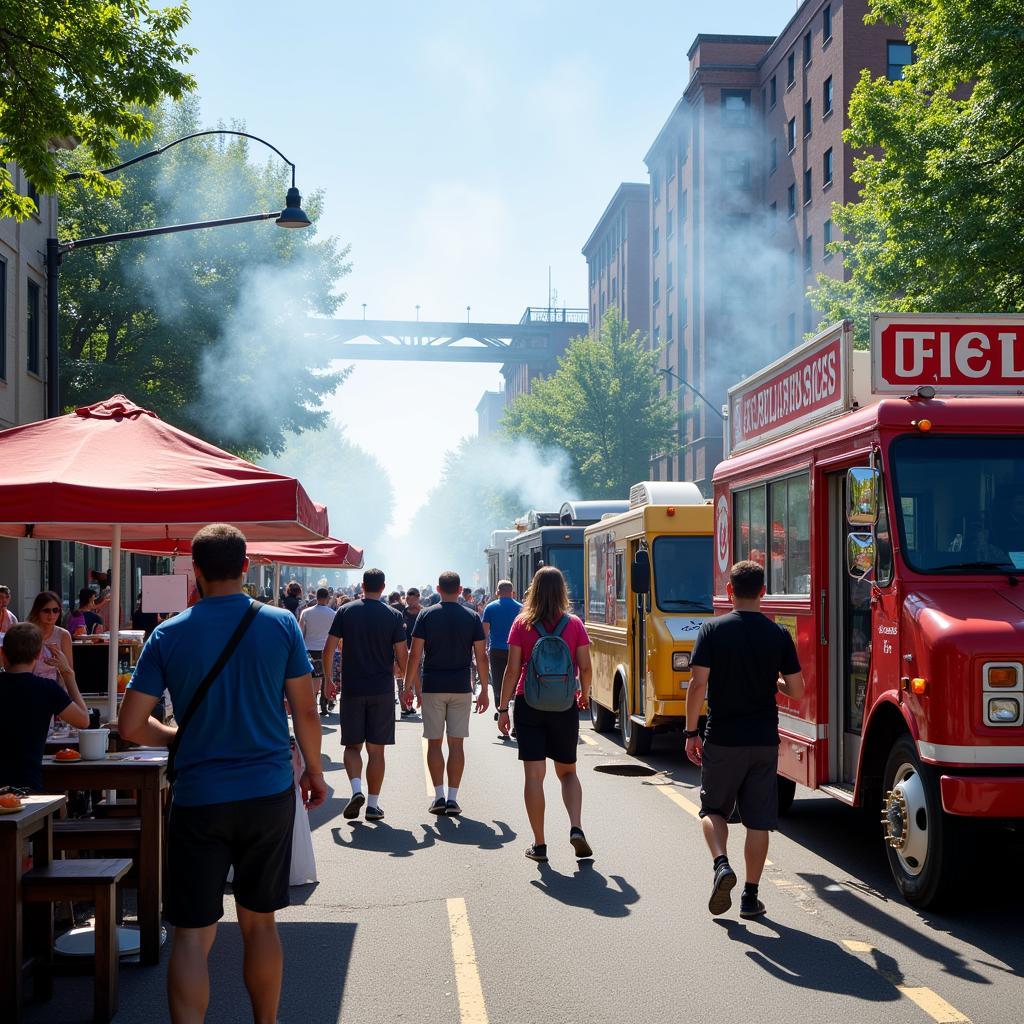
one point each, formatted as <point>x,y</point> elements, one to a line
<point>253,836</point>
<point>317,660</point>
<point>368,719</point>
<point>742,777</point>
<point>497,660</point>
<point>544,734</point>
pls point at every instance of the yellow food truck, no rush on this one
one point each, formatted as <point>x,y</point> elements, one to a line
<point>648,591</point>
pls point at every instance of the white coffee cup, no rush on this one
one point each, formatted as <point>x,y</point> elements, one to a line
<point>92,744</point>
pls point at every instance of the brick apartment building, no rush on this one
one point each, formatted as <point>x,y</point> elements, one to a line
<point>618,258</point>
<point>743,176</point>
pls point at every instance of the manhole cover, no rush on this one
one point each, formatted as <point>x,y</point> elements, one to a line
<point>625,768</point>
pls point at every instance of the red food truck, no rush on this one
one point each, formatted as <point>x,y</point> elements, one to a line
<point>883,492</point>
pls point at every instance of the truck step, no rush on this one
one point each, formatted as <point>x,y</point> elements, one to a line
<point>842,791</point>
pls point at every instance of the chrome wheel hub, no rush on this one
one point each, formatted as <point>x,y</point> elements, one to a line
<point>905,819</point>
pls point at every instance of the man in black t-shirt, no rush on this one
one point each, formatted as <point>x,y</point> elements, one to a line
<point>447,635</point>
<point>372,637</point>
<point>737,662</point>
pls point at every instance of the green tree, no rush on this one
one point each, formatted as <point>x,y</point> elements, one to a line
<point>207,327</point>
<point>78,71</point>
<point>603,407</point>
<point>940,220</point>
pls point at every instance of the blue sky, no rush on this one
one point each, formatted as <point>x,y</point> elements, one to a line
<point>463,149</point>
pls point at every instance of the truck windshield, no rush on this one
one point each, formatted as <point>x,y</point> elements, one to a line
<point>682,573</point>
<point>570,561</point>
<point>960,503</point>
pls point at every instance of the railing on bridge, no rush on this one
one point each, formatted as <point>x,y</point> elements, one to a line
<point>551,315</point>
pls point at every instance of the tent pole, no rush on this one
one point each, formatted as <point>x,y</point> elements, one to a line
<point>277,584</point>
<point>115,623</point>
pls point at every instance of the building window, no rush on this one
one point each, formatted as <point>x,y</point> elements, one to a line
<point>736,107</point>
<point>657,290</point>
<point>807,186</point>
<point>32,326</point>
<point>773,213</point>
<point>792,265</point>
<point>827,238</point>
<point>683,150</point>
<point>656,241</point>
<point>736,170</point>
<point>791,69</point>
<point>791,337</point>
<point>808,253</point>
<point>671,281</point>
<point>3,320</point>
<point>791,200</point>
<point>670,220</point>
<point>807,49</point>
<point>826,23</point>
<point>900,54</point>
<point>682,207</point>
<point>773,92</point>
<point>656,337</point>
<point>670,166</point>
<point>826,97</point>
<point>655,185</point>
<point>791,135</point>
<point>773,156</point>
<point>826,168</point>
<point>682,310</point>
<point>807,118</point>
<point>668,327</point>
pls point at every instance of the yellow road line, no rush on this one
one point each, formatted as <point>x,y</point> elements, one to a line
<point>426,771</point>
<point>472,1009</point>
<point>679,800</point>
<point>931,1002</point>
<point>589,740</point>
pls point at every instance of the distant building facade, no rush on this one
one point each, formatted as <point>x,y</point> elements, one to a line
<point>489,411</point>
<point>743,175</point>
<point>618,259</point>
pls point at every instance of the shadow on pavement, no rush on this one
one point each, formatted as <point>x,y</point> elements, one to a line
<point>807,961</point>
<point>465,831</point>
<point>587,889</point>
<point>316,964</point>
<point>380,837</point>
<point>330,809</point>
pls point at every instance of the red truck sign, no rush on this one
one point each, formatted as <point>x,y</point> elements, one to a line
<point>958,354</point>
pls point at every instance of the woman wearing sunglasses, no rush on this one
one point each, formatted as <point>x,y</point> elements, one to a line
<point>46,613</point>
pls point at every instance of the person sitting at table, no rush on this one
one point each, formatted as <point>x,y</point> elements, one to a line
<point>29,702</point>
<point>7,617</point>
<point>84,621</point>
<point>45,613</point>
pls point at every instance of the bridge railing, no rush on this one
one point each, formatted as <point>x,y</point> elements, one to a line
<point>552,315</point>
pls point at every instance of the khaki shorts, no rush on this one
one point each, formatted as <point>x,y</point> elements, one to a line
<point>446,712</point>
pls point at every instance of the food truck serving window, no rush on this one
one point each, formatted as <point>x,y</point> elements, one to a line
<point>960,502</point>
<point>785,549</point>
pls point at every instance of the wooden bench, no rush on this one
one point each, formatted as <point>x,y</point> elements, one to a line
<point>76,834</point>
<point>93,880</point>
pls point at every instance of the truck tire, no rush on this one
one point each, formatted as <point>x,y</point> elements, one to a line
<point>917,833</point>
<point>635,738</point>
<point>601,719</point>
<point>787,790</point>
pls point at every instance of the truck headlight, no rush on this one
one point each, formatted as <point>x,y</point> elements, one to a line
<point>1003,710</point>
<point>680,661</point>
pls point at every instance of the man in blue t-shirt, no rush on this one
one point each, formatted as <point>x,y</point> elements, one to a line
<point>372,637</point>
<point>234,802</point>
<point>498,618</point>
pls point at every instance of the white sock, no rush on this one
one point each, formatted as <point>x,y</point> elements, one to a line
<point>357,786</point>
<point>371,799</point>
<point>439,792</point>
<point>453,792</point>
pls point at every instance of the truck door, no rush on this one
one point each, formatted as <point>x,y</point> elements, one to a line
<point>638,659</point>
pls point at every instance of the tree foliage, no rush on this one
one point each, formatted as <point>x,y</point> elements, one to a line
<point>206,327</point>
<point>79,70</point>
<point>603,407</point>
<point>940,220</point>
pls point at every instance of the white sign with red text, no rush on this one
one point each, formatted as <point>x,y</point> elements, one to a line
<point>955,353</point>
<point>810,383</point>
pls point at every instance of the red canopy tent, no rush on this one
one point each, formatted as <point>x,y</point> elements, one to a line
<point>328,553</point>
<point>114,472</point>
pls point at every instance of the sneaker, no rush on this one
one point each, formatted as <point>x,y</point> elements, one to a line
<point>537,852</point>
<point>579,843</point>
<point>452,808</point>
<point>439,806</point>
<point>353,806</point>
<point>725,880</point>
<point>751,906</point>
<point>374,813</point>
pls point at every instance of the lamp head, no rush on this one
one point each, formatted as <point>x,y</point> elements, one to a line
<point>293,216</point>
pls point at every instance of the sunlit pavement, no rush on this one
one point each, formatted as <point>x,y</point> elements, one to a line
<point>443,920</point>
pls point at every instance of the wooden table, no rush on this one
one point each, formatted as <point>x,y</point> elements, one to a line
<point>35,819</point>
<point>145,772</point>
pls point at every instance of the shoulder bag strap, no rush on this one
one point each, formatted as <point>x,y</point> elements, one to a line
<point>562,623</point>
<point>204,687</point>
<point>541,631</point>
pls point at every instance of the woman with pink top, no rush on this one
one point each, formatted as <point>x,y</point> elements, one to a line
<point>46,612</point>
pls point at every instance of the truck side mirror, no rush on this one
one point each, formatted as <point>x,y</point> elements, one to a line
<point>860,555</point>
<point>862,496</point>
<point>640,575</point>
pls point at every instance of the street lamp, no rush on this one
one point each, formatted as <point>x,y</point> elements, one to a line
<point>686,384</point>
<point>291,216</point>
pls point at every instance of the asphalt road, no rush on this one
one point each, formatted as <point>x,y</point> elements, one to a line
<point>443,921</point>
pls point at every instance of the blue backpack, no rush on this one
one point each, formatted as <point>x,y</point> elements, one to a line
<point>550,677</point>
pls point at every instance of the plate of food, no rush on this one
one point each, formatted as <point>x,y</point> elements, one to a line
<point>67,754</point>
<point>10,803</point>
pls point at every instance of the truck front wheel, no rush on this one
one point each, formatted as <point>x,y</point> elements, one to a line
<point>916,831</point>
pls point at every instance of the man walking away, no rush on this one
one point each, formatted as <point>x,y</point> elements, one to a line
<point>447,636</point>
<point>315,623</point>
<point>409,614</point>
<point>737,662</point>
<point>498,618</point>
<point>234,803</point>
<point>372,638</point>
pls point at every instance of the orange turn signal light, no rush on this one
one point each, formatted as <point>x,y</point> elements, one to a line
<point>918,685</point>
<point>671,510</point>
<point>1002,676</point>
<point>923,425</point>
